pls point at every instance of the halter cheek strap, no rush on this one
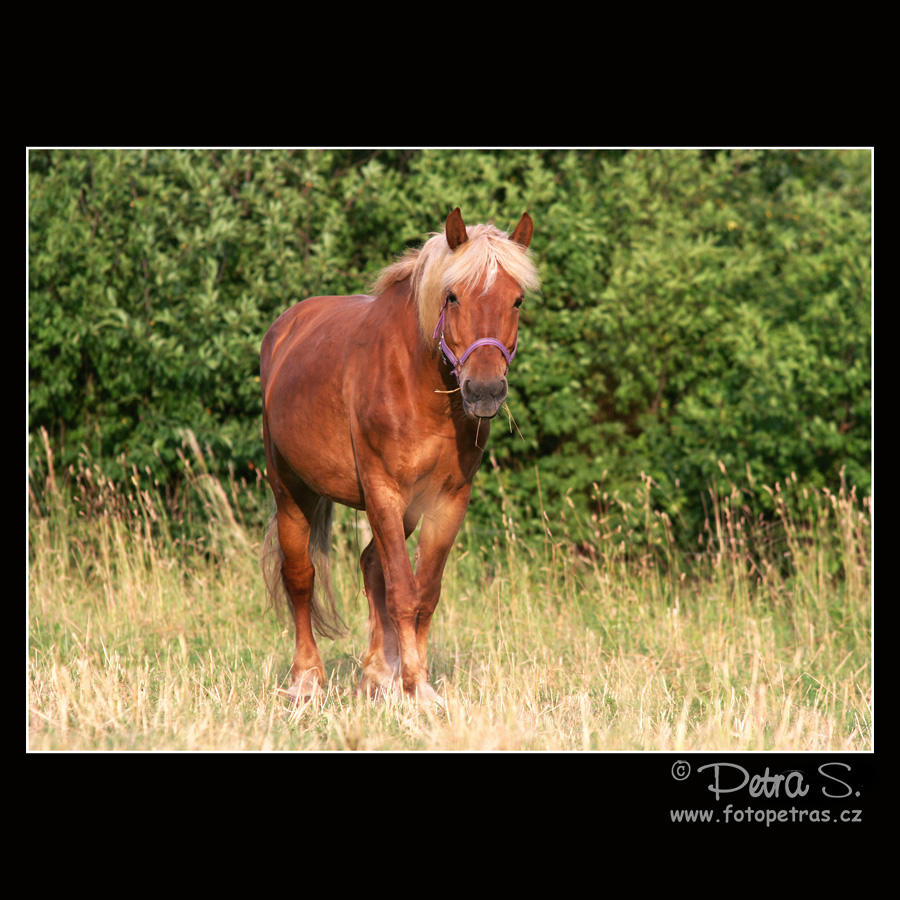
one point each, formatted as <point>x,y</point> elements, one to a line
<point>457,364</point>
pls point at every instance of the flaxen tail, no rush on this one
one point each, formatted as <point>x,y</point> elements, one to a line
<point>325,617</point>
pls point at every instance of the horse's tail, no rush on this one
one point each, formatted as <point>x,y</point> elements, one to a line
<point>325,617</point>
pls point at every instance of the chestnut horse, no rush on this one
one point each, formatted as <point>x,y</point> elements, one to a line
<point>383,403</point>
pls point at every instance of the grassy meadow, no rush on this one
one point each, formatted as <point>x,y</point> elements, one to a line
<point>148,627</point>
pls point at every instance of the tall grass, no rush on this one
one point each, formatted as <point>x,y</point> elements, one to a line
<point>148,627</point>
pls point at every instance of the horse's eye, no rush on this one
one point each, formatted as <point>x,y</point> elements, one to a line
<point>518,302</point>
<point>451,298</point>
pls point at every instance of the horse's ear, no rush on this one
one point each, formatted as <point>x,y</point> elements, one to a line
<point>524,230</point>
<point>455,229</point>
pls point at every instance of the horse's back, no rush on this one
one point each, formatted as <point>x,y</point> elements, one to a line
<point>310,330</point>
<point>303,360</point>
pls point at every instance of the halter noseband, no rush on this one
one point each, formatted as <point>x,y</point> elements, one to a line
<point>457,364</point>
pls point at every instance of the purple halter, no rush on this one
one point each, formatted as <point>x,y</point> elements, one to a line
<point>456,364</point>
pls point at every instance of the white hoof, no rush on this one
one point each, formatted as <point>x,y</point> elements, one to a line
<point>305,689</point>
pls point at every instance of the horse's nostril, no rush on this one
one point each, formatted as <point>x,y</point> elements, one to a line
<point>485,390</point>
<point>484,398</point>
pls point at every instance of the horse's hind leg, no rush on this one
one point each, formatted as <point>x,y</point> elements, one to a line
<point>298,576</point>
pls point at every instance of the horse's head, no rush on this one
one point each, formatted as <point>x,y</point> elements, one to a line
<point>479,325</point>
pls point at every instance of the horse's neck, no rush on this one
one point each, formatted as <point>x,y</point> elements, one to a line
<point>428,370</point>
<point>403,318</point>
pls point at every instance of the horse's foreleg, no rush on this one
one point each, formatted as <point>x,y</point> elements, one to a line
<point>439,529</point>
<point>390,527</point>
<point>381,664</point>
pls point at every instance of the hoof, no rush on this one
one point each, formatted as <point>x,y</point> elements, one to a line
<point>305,688</point>
<point>427,697</point>
<point>378,688</point>
<point>389,688</point>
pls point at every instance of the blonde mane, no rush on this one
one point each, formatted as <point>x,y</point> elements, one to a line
<point>434,269</point>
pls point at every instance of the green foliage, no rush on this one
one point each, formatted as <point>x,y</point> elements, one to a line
<point>701,311</point>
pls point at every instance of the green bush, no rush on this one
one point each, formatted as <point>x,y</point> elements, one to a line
<point>704,314</point>
<point>700,312</point>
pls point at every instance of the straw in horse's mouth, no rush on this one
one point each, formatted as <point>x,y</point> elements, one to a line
<point>481,418</point>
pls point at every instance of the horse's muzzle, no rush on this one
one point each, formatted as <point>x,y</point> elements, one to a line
<point>483,399</point>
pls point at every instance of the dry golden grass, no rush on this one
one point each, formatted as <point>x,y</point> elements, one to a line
<point>142,638</point>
